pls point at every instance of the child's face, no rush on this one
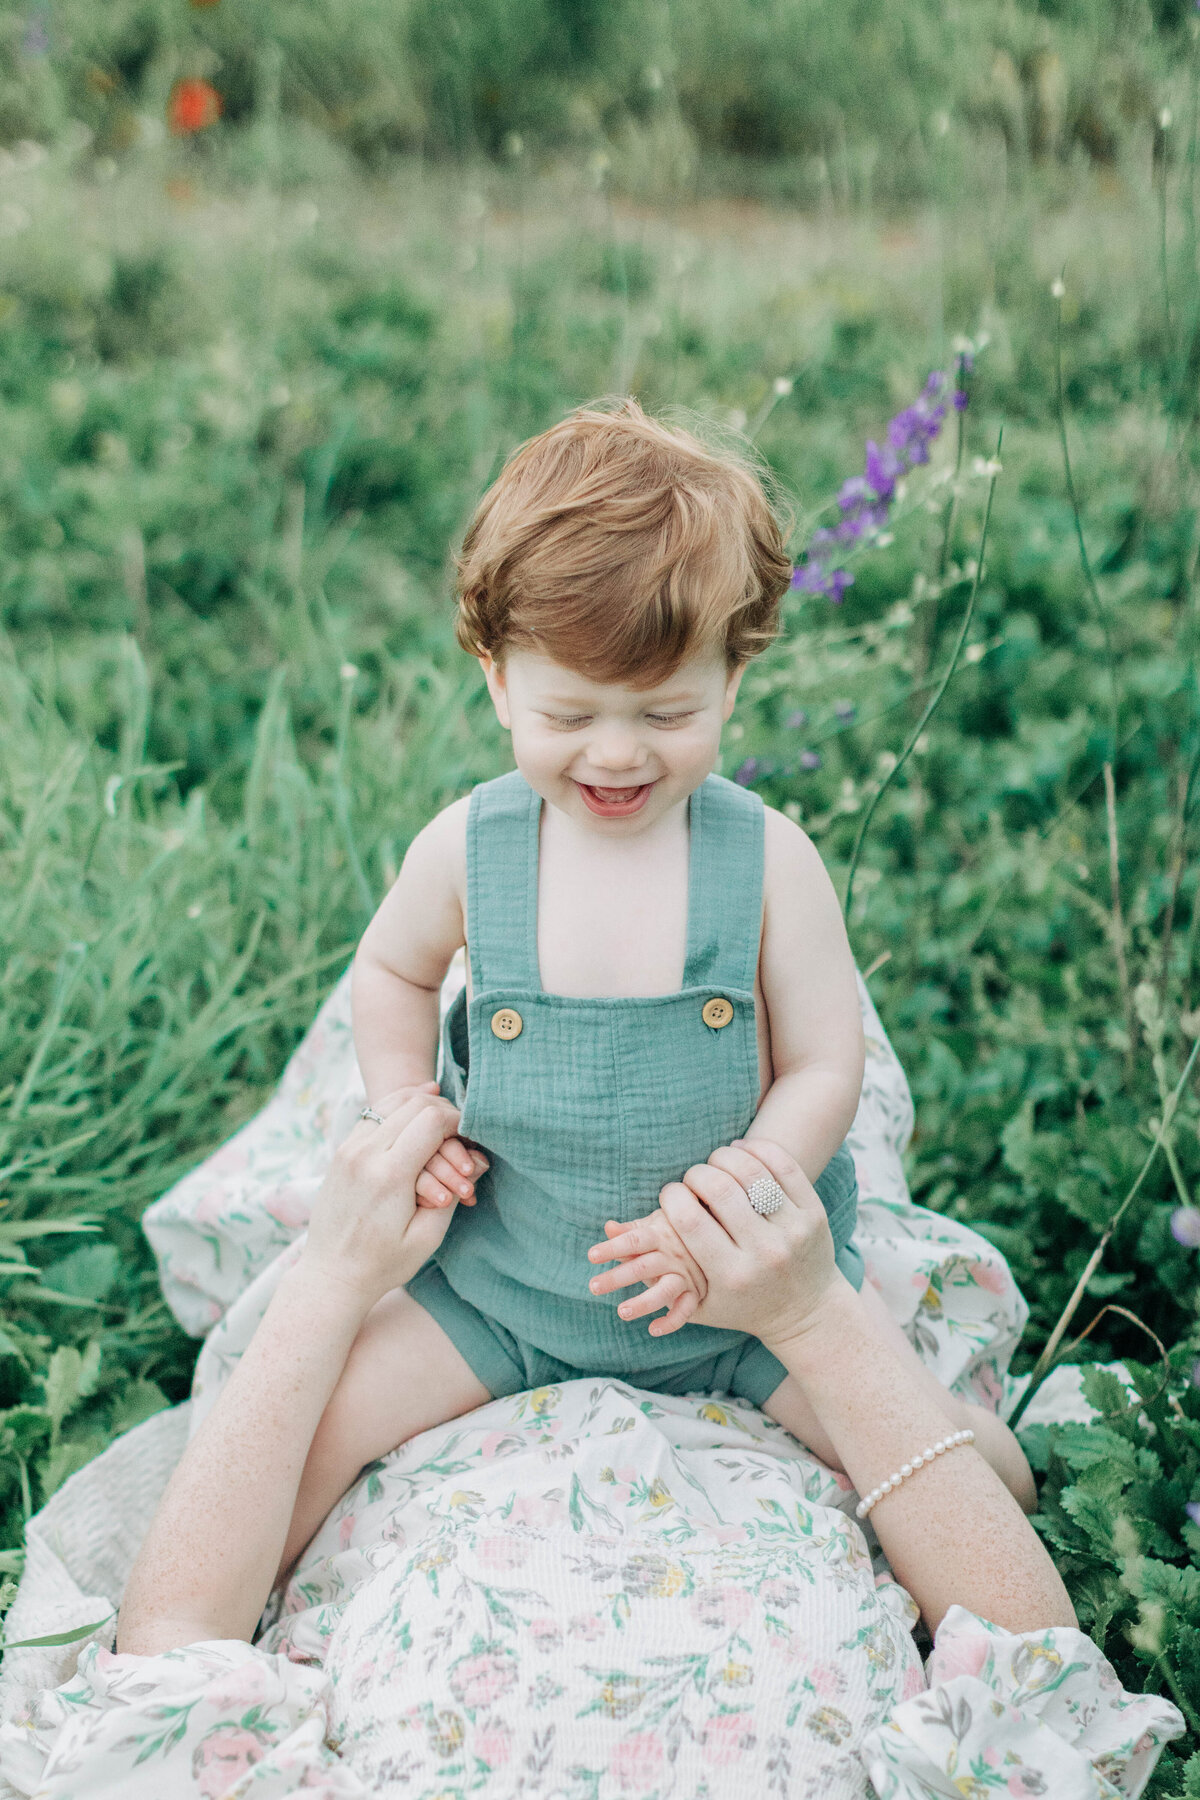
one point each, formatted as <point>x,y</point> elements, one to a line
<point>616,759</point>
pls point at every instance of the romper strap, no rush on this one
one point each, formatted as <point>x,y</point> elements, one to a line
<point>502,881</point>
<point>725,886</point>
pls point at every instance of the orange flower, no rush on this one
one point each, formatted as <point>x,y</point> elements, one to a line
<point>193,106</point>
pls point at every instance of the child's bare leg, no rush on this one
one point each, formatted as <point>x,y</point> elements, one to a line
<point>402,1376</point>
<point>993,1439</point>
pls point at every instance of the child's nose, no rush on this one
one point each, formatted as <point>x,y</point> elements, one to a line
<point>616,751</point>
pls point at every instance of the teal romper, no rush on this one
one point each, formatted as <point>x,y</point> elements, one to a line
<point>588,1107</point>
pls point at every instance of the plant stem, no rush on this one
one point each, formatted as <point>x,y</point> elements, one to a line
<point>1089,578</point>
<point>935,699</point>
<point>1118,921</point>
<point>1045,1361</point>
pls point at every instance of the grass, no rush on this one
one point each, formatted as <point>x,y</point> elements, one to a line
<point>242,428</point>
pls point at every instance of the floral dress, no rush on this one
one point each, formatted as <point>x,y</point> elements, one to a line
<point>584,1592</point>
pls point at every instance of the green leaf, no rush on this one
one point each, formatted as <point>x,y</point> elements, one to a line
<point>55,1637</point>
<point>69,1379</point>
<point>86,1274</point>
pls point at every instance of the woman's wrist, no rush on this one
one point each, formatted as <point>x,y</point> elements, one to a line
<point>332,1288</point>
<point>804,1341</point>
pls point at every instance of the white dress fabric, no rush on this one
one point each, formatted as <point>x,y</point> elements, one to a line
<point>581,1593</point>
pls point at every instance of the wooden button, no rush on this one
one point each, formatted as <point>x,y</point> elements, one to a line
<point>508,1023</point>
<point>716,1013</point>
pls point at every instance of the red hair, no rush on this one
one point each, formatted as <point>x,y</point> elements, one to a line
<point>617,546</point>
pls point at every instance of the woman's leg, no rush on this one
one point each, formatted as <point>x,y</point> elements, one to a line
<point>993,1439</point>
<point>402,1376</point>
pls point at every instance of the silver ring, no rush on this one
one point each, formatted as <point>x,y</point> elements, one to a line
<point>368,1112</point>
<point>765,1196</point>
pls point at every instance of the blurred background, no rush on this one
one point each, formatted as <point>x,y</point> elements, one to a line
<point>280,287</point>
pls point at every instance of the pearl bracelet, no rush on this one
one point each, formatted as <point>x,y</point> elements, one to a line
<point>906,1469</point>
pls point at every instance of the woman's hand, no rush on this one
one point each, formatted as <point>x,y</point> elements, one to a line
<point>367,1231</point>
<point>772,1277</point>
<point>453,1169</point>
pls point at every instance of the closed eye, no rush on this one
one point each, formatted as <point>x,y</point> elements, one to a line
<point>567,724</point>
<point>668,718</point>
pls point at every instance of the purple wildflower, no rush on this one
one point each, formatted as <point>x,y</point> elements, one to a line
<point>845,710</point>
<point>1185,1226</point>
<point>748,771</point>
<point>1192,1508</point>
<point>864,500</point>
<point>796,721</point>
<point>810,759</point>
<point>883,466</point>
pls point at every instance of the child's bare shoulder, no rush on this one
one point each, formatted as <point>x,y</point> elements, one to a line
<point>792,866</point>
<point>438,853</point>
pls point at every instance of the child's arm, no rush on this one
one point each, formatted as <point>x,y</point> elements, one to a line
<point>811,994</point>
<point>398,972</point>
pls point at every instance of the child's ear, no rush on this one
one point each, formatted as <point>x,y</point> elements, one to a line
<point>493,674</point>
<point>731,690</point>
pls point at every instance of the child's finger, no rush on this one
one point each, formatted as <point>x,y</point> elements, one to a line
<point>459,1157</point>
<point>663,1292</point>
<point>631,1242</point>
<point>432,1192</point>
<point>638,1268</point>
<point>612,1227</point>
<point>679,1315</point>
<point>444,1171</point>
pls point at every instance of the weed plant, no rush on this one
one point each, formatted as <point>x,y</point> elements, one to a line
<point>242,428</point>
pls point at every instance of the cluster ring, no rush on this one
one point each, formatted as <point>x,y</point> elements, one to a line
<point>765,1196</point>
<point>368,1112</point>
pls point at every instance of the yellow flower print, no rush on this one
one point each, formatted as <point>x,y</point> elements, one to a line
<point>543,1399</point>
<point>446,1733</point>
<point>621,1695</point>
<point>672,1581</point>
<point>716,1415</point>
<point>736,1674</point>
<point>463,1497</point>
<point>931,1300</point>
<point>660,1496</point>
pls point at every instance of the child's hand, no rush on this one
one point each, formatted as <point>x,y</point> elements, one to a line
<point>651,1251</point>
<point>451,1173</point>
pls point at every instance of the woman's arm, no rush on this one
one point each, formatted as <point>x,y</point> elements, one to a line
<point>209,1559</point>
<point>952,1532</point>
<point>807,973</point>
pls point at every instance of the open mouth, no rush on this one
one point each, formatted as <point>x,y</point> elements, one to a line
<point>614,802</point>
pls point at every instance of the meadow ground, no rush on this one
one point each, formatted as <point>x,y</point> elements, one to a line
<point>241,429</point>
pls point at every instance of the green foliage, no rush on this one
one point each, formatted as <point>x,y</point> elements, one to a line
<point>1112,1510</point>
<point>868,98</point>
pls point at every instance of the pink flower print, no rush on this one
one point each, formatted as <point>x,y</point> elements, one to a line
<point>628,1474</point>
<point>988,1388</point>
<point>588,1626</point>
<point>289,1207</point>
<point>481,1679</point>
<point>492,1744</point>
<point>251,1683</point>
<point>779,1593</point>
<point>546,1633</point>
<point>230,1159</point>
<point>727,1737</point>
<point>1022,1785</point>
<point>502,1552</point>
<point>222,1757</point>
<point>721,1608</point>
<point>346,1531</point>
<point>212,1206</point>
<point>827,1679</point>
<point>914,1681</point>
<point>965,1655</point>
<point>991,1757</point>
<point>637,1761</point>
<point>992,1277</point>
<point>536,1510</point>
